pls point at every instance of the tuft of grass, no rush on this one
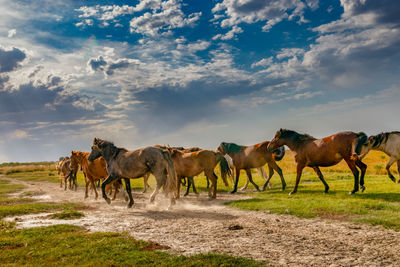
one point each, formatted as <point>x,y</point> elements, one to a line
<point>67,215</point>
<point>64,245</point>
<point>29,208</point>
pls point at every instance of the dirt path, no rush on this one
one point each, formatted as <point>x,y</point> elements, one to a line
<point>198,225</point>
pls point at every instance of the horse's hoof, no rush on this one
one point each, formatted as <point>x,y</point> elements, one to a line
<point>129,206</point>
<point>392,178</point>
<point>233,192</point>
<point>352,192</point>
<point>291,193</point>
<point>108,201</point>
<point>362,188</point>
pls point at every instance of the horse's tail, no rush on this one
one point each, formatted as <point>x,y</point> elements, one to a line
<point>171,183</point>
<point>224,167</point>
<point>279,153</point>
<point>357,144</point>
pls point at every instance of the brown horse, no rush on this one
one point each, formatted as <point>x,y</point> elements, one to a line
<point>64,169</point>
<point>134,164</point>
<point>256,156</point>
<point>190,164</point>
<point>96,170</point>
<point>328,151</point>
<point>190,180</point>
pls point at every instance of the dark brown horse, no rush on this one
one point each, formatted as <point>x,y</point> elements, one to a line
<point>256,156</point>
<point>328,151</point>
<point>193,163</point>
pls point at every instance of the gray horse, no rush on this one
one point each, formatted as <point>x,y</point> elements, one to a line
<point>134,164</point>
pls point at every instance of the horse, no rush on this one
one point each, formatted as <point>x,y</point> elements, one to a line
<point>133,164</point>
<point>190,180</point>
<point>190,164</point>
<point>256,156</point>
<point>96,170</point>
<point>328,151</point>
<point>389,143</point>
<point>63,169</point>
<point>261,172</point>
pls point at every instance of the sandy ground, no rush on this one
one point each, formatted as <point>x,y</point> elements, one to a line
<point>198,225</point>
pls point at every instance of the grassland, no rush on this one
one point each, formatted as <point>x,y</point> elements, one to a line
<point>378,205</point>
<point>66,245</point>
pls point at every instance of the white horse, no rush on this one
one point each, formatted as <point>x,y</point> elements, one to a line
<point>389,143</point>
<point>261,172</point>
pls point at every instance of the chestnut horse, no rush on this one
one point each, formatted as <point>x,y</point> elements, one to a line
<point>190,164</point>
<point>328,151</point>
<point>190,180</point>
<point>256,156</point>
<point>134,164</point>
<point>96,170</point>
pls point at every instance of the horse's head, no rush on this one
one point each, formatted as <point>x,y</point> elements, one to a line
<point>222,148</point>
<point>74,160</point>
<point>372,142</point>
<point>277,141</point>
<point>97,149</point>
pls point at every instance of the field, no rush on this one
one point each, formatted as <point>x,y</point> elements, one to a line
<point>335,227</point>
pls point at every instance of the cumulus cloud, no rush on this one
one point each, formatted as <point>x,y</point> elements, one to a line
<point>109,67</point>
<point>230,34</point>
<point>10,59</point>
<point>159,17</point>
<point>271,12</point>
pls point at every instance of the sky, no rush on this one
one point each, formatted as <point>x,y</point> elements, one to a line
<point>192,73</point>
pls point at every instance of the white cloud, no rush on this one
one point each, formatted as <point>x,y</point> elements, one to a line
<point>12,33</point>
<point>230,34</point>
<point>252,11</point>
<point>18,134</point>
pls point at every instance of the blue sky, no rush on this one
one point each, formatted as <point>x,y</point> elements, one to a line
<point>192,73</point>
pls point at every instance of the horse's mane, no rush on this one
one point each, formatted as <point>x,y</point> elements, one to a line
<point>231,148</point>
<point>296,137</point>
<point>382,138</point>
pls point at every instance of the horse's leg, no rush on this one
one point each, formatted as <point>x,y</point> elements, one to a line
<point>262,173</point>
<point>321,177</point>
<point>107,181</point>
<point>194,187</point>
<point>236,181</point>
<point>128,189</point>
<point>145,184</point>
<point>214,185</point>
<point>363,168</point>
<point>155,192</point>
<point>178,188</point>
<point>355,172</point>
<point>208,182</point>
<point>398,170</point>
<point>299,170</point>
<point>388,165</point>
<point>248,172</point>
<point>212,190</point>
<point>86,187</point>
<point>116,189</point>
<point>189,183</point>
<point>245,185</point>
<point>65,182</point>
<point>91,179</point>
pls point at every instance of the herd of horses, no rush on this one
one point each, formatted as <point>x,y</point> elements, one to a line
<point>173,166</point>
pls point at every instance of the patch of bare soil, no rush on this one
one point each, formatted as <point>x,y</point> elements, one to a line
<point>198,225</point>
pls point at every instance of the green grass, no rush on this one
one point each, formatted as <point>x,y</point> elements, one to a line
<point>378,205</point>
<point>65,245</point>
<point>70,245</point>
<point>67,215</point>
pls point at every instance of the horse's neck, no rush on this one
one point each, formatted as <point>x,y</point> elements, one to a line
<point>293,145</point>
<point>391,146</point>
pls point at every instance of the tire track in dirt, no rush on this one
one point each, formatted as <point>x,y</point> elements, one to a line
<point>197,225</point>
